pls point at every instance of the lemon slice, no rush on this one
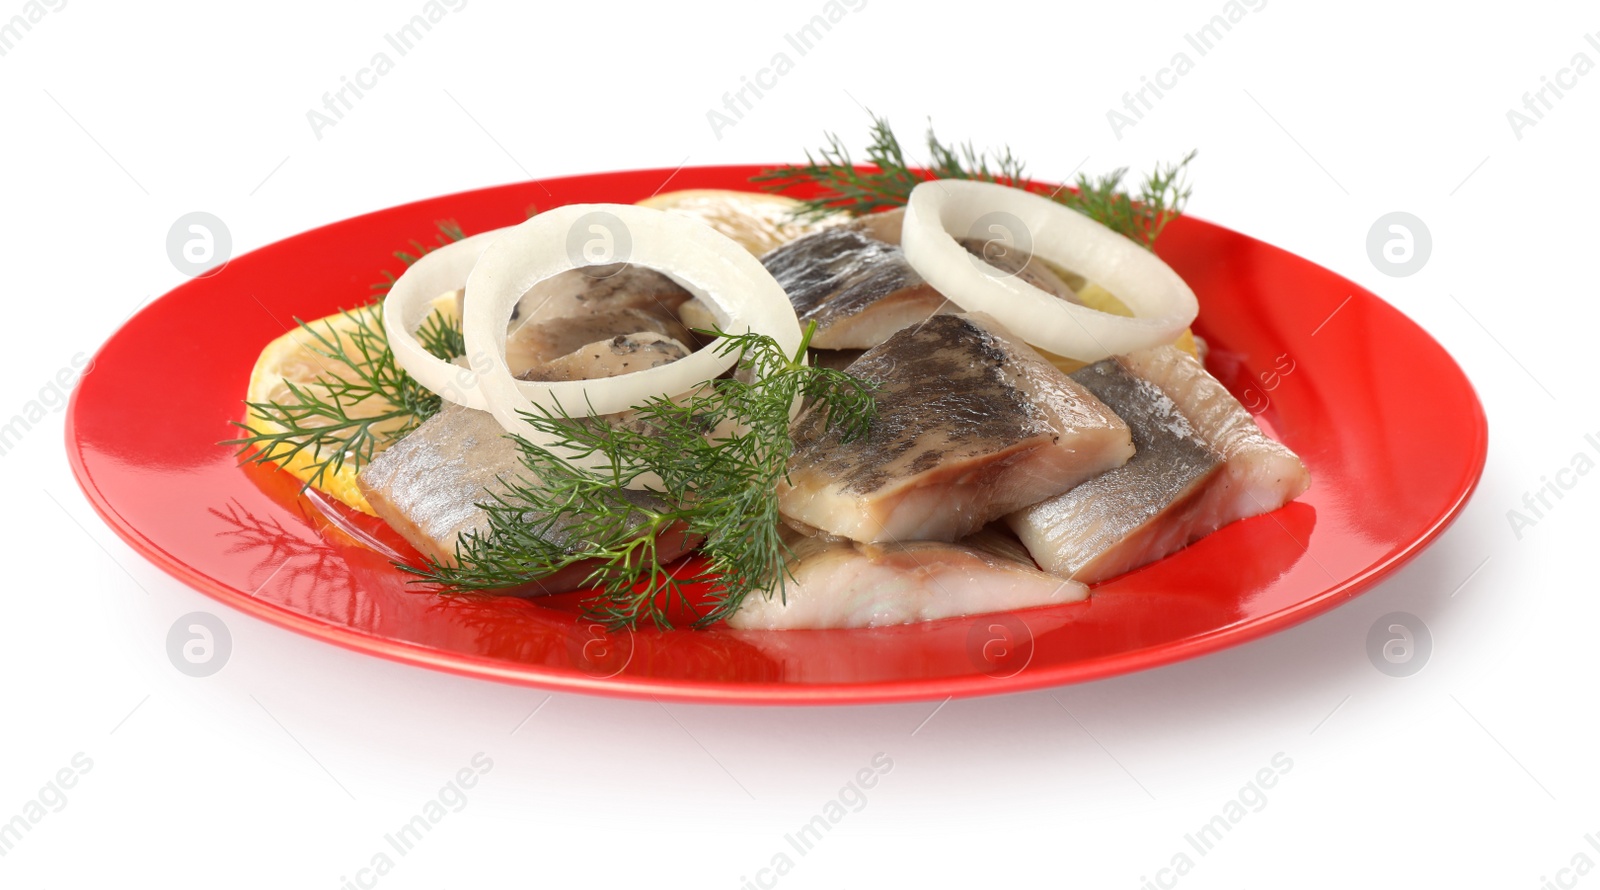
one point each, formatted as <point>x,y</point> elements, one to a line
<point>293,358</point>
<point>757,220</point>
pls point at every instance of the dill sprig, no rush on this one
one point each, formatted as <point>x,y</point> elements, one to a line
<point>363,401</point>
<point>1162,196</point>
<point>889,178</point>
<point>449,232</point>
<point>712,459</point>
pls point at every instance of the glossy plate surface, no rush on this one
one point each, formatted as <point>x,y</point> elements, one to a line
<point>1389,427</point>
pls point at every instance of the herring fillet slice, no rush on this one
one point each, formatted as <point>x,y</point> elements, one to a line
<point>1259,474</point>
<point>1255,474</point>
<point>622,354</point>
<point>428,486</point>
<point>857,289</point>
<point>838,583</point>
<point>1136,513</point>
<point>541,342</point>
<point>971,424</point>
<point>581,307</point>
<point>593,289</point>
<point>600,289</point>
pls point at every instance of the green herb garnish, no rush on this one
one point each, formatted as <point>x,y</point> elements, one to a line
<point>449,233</point>
<point>364,401</point>
<point>718,454</point>
<point>890,179</point>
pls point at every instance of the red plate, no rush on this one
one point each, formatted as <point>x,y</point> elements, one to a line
<point>1313,354</point>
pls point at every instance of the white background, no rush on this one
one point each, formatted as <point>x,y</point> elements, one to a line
<point>287,767</point>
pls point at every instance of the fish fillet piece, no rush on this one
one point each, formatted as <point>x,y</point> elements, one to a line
<point>539,342</point>
<point>857,289</point>
<point>608,358</point>
<point>1259,474</point>
<point>578,307</point>
<point>971,424</point>
<point>840,583</point>
<point>428,486</point>
<point>834,359</point>
<point>593,289</point>
<point>883,226</point>
<point>600,289</point>
<point>1136,513</point>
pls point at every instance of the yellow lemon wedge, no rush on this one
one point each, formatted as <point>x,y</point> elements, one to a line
<point>759,221</point>
<point>296,358</point>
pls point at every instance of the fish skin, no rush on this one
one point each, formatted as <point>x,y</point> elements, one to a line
<point>1260,474</point>
<point>623,354</point>
<point>971,424</point>
<point>1136,513</point>
<point>579,307</point>
<point>428,487</point>
<point>857,289</point>
<point>837,583</point>
<point>540,342</point>
<point>590,289</point>
<point>600,289</point>
<point>1253,474</point>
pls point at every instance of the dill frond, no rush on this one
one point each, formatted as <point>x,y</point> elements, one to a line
<point>363,402</point>
<point>887,180</point>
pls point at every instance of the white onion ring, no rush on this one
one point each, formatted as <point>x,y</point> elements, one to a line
<point>407,306</point>
<point>742,294</point>
<point>1162,304</point>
